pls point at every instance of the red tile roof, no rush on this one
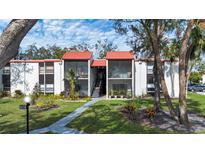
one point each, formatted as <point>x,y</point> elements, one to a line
<point>119,55</point>
<point>76,55</point>
<point>99,63</point>
<point>35,61</point>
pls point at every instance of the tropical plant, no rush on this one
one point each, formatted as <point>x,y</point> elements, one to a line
<point>72,79</point>
<point>150,113</point>
<point>129,108</point>
<point>192,43</point>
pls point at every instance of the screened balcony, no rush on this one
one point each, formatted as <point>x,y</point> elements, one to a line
<point>119,88</point>
<point>120,69</point>
<point>82,87</point>
<point>80,68</point>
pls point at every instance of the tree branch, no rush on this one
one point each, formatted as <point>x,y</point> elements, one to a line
<point>11,38</point>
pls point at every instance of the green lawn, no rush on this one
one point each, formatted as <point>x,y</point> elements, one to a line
<point>196,103</point>
<point>12,119</point>
<point>104,117</point>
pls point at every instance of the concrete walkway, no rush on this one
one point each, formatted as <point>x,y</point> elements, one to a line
<point>59,126</point>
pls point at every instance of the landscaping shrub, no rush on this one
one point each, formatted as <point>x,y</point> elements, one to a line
<point>129,108</point>
<point>5,94</point>
<point>18,94</point>
<point>42,105</point>
<point>62,94</point>
<point>35,93</point>
<point>150,113</point>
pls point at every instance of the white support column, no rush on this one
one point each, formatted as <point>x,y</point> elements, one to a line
<point>107,79</point>
<point>60,76</point>
<point>44,78</point>
<point>133,79</point>
<point>24,78</point>
<point>89,93</point>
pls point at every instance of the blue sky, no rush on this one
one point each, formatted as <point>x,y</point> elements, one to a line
<point>66,33</point>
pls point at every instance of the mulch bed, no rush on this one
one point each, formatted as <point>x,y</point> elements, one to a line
<point>141,117</point>
<point>163,120</point>
<point>46,107</point>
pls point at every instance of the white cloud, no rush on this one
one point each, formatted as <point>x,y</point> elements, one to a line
<point>69,32</point>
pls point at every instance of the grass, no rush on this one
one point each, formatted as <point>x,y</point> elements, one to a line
<point>196,103</point>
<point>13,120</point>
<point>104,116</point>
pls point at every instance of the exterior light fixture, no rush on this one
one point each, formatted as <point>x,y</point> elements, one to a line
<point>27,100</point>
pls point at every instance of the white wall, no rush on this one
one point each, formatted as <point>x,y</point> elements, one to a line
<point>140,78</point>
<point>203,79</point>
<point>89,84</point>
<point>24,77</point>
<point>172,78</point>
<point>58,77</point>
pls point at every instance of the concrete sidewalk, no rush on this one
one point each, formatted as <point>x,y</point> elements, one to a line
<point>59,126</point>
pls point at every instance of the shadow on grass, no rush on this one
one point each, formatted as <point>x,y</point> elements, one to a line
<point>106,119</point>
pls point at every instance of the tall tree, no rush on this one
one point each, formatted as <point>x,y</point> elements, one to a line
<point>192,42</point>
<point>151,35</point>
<point>48,52</point>
<point>182,73</point>
<point>103,46</point>
<point>81,47</point>
<point>11,38</point>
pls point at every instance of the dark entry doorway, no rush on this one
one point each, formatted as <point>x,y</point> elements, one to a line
<point>101,80</point>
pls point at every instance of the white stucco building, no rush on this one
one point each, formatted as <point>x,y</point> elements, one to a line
<point>119,75</point>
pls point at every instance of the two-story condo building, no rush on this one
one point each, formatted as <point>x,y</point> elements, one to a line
<point>119,75</point>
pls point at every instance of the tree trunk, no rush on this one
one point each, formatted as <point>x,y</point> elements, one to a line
<point>157,87</point>
<point>187,68</point>
<point>182,75</point>
<point>164,87</point>
<point>11,38</point>
<point>160,70</point>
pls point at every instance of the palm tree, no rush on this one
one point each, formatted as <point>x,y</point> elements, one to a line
<point>72,79</point>
<point>196,48</point>
<point>191,42</point>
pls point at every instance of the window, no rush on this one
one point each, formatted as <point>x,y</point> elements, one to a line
<point>119,87</point>
<point>41,68</point>
<point>49,88</point>
<point>120,69</point>
<point>150,66</point>
<point>150,79</point>
<point>49,78</point>
<point>80,68</point>
<point>47,74</point>
<point>49,68</point>
<point>6,82</point>
<point>41,79</point>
